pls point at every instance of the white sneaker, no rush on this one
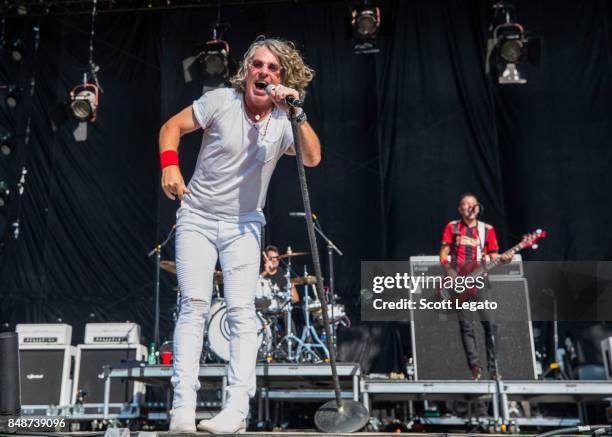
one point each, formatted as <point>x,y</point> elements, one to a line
<point>226,422</point>
<point>182,422</point>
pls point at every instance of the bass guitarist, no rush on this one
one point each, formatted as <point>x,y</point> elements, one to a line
<point>470,242</point>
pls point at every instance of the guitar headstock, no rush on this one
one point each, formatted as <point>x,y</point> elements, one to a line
<point>531,240</point>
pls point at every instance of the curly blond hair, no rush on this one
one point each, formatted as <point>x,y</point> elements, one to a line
<point>294,72</point>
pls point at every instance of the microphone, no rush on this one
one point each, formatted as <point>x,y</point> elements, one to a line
<point>471,209</point>
<point>289,100</point>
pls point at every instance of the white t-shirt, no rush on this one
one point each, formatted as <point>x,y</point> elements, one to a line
<point>236,159</point>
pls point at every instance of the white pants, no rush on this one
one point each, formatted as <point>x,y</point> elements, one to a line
<point>199,241</point>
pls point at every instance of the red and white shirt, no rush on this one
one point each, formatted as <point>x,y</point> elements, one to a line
<point>464,242</point>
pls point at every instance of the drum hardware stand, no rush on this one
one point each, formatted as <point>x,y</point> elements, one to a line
<point>331,247</point>
<point>309,332</point>
<point>267,344</point>
<point>339,415</point>
<point>157,252</point>
<point>289,336</point>
<point>177,306</point>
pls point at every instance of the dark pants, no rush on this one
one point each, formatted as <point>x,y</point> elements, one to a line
<point>467,323</point>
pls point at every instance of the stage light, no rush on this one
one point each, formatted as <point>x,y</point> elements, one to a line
<point>22,10</point>
<point>512,46</point>
<point>509,46</point>
<point>84,99</point>
<point>214,58</point>
<point>13,94</point>
<point>4,194</point>
<point>365,22</point>
<point>7,144</point>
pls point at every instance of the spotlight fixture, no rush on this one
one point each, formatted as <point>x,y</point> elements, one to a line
<point>365,23</point>
<point>510,48</point>
<point>13,94</point>
<point>214,58</point>
<point>7,144</point>
<point>509,45</point>
<point>84,99</point>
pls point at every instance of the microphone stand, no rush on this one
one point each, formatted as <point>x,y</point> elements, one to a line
<point>339,415</point>
<point>557,360</point>
<point>157,252</point>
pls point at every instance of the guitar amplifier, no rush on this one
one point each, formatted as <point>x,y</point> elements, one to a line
<point>429,265</point>
<point>89,378</point>
<point>437,349</point>
<point>112,333</point>
<point>45,366</point>
<point>44,333</point>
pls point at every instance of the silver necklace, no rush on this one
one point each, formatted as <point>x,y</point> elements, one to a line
<point>261,132</point>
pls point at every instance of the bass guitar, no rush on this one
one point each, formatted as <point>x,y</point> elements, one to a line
<point>451,288</point>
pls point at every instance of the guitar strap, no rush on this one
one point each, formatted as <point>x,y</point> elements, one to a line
<point>482,235</point>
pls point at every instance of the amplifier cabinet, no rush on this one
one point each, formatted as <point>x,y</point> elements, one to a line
<point>437,348</point>
<point>89,377</point>
<point>45,376</point>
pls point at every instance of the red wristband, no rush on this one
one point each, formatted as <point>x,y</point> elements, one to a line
<point>169,157</point>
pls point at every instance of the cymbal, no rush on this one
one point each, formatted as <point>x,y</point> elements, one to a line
<point>169,266</point>
<point>301,280</point>
<point>289,255</point>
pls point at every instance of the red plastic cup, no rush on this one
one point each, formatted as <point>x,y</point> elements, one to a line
<point>166,357</point>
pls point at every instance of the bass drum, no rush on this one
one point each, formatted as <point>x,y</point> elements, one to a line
<point>219,333</point>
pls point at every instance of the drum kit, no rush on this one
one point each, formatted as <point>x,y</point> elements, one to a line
<point>277,333</point>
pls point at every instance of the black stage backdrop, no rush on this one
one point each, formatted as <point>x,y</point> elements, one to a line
<point>404,132</point>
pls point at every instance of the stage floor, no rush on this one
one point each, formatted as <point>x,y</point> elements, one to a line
<point>280,434</point>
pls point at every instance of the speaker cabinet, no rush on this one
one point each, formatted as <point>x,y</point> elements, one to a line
<point>89,377</point>
<point>437,347</point>
<point>45,376</point>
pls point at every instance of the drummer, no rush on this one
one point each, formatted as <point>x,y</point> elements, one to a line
<point>275,273</point>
